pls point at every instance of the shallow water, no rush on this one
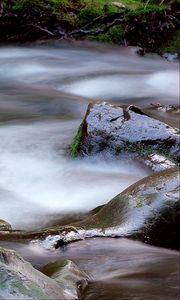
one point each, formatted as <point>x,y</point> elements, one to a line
<point>44,92</point>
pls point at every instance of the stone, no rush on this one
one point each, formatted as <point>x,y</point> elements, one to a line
<point>67,272</point>
<point>118,4</point>
<point>4,226</point>
<point>111,130</point>
<point>19,280</point>
<point>148,210</point>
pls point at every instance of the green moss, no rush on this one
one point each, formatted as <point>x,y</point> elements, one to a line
<point>140,199</point>
<point>73,149</point>
<point>76,14</point>
<point>2,285</point>
<point>109,215</point>
<point>37,292</point>
<point>30,290</point>
<point>173,45</point>
<point>142,13</point>
<point>33,6</point>
<point>114,35</point>
<point>53,267</point>
<point>87,14</point>
<point>146,150</point>
<point>92,9</point>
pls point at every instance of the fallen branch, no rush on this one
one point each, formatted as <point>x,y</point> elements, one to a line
<point>41,28</point>
<point>81,31</point>
<point>103,19</point>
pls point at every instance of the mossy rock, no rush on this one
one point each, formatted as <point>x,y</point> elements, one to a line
<point>114,129</point>
<point>19,280</point>
<point>148,210</point>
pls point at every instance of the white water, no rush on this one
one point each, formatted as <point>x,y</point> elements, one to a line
<point>37,179</point>
<point>40,93</point>
<point>165,84</point>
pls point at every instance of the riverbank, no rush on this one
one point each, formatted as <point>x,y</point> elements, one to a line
<point>151,27</point>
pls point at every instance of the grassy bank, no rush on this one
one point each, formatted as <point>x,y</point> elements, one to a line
<point>151,25</point>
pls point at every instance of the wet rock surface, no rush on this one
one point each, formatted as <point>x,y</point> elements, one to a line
<point>68,275</point>
<point>111,130</point>
<point>5,226</point>
<point>156,162</point>
<point>148,210</point>
<point>19,280</point>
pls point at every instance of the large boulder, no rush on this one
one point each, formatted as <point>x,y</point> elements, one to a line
<point>111,130</point>
<point>19,280</point>
<point>148,210</point>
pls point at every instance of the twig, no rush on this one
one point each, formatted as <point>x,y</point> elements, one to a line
<point>103,18</point>
<point>81,31</point>
<point>41,28</point>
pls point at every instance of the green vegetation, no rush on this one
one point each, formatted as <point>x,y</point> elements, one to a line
<point>173,45</point>
<point>146,151</point>
<point>53,267</point>
<point>73,149</point>
<point>28,6</point>
<point>142,13</point>
<point>114,35</point>
<point>140,200</point>
<point>148,24</point>
<point>28,289</point>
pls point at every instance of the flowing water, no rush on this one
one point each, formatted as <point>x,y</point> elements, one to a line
<point>44,93</point>
<point>119,269</point>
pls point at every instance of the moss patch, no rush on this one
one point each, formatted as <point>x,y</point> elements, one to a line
<point>53,267</point>
<point>73,149</point>
<point>114,35</point>
<point>173,45</point>
<point>145,150</point>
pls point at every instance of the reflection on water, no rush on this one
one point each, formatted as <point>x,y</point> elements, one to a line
<point>118,268</point>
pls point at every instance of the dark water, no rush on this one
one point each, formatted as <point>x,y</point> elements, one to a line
<point>44,92</point>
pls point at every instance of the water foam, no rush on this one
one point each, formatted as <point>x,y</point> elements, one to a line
<point>36,178</point>
<point>164,84</point>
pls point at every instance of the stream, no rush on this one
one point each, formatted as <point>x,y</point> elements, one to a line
<point>44,93</point>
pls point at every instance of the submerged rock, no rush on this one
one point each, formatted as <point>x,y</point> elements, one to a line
<point>172,57</point>
<point>4,226</point>
<point>67,273</point>
<point>111,130</point>
<point>19,280</point>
